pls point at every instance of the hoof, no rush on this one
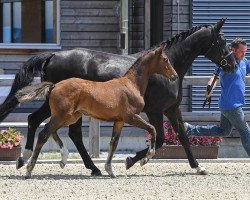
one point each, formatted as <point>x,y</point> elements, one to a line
<point>112,175</point>
<point>62,164</point>
<point>28,175</point>
<point>143,161</point>
<point>109,170</point>
<point>201,171</point>
<point>128,163</point>
<point>96,173</point>
<point>19,163</point>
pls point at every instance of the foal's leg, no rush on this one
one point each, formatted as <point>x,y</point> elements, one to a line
<point>64,151</point>
<point>174,116</point>
<point>34,120</point>
<point>112,146</point>
<point>75,134</point>
<point>155,119</point>
<point>42,139</point>
<point>137,121</point>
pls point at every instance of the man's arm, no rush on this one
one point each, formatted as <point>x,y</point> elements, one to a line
<point>210,83</point>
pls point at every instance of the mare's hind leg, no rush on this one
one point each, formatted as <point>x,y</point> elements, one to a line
<point>137,121</point>
<point>34,120</point>
<point>75,134</point>
<point>42,139</point>
<point>174,116</point>
<point>112,146</point>
<point>64,151</point>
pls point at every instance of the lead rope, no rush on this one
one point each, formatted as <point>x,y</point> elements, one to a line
<point>210,87</point>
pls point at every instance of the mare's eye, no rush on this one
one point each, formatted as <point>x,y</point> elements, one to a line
<point>222,40</point>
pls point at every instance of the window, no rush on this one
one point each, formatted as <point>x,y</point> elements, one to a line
<point>29,23</point>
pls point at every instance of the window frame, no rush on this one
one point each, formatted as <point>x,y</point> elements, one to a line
<point>41,46</point>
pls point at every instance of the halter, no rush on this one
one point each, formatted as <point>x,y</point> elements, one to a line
<point>215,42</point>
<point>223,63</point>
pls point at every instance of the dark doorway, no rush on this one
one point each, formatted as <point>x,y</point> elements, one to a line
<point>156,31</point>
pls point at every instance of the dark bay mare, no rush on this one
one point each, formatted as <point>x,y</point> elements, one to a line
<point>161,97</point>
<point>119,100</point>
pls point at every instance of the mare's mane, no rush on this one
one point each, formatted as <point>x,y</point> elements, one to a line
<point>180,36</point>
<point>183,35</point>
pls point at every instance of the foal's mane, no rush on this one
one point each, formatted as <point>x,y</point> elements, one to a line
<point>138,60</point>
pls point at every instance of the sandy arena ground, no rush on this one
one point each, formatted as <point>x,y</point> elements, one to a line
<point>165,180</point>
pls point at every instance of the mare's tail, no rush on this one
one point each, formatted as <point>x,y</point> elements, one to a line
<point>37,91</point>
<point>33,67</point>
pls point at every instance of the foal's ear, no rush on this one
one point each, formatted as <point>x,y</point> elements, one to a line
<point>160,49</point>
<point>219,24</point>
<point>163,45</point>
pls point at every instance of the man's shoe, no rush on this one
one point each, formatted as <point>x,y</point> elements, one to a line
<point>185,126</point>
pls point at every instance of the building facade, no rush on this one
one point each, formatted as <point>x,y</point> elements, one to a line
<point>29,27</point>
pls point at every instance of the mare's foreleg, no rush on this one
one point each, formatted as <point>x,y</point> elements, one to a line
<point>64,151</point>
<point>42,139</point>
<point>155,119</point>
<point>34,120</point>
<point>137,121</point>
<point>175,118</point>
<point>75,134</point>
<point>112,146</point>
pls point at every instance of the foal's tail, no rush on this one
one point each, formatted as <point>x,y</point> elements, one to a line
<point>26,74</point>
<point>37,91</point>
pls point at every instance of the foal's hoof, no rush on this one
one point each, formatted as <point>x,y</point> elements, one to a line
<point>19,163</point>
<point>111,174</point>
<point>128,163</point>
<point>204,172</point>
<point>143,161</point>
<point>108,169</point>
<point>28,175</point>
<point>62,164</point>
<point>96,173</point>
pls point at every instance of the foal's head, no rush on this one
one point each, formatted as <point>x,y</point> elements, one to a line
<point>160,63</point>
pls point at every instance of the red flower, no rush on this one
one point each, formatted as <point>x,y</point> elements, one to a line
<point>171,138</point>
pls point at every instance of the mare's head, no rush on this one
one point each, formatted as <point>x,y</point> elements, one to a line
<point>161,64</point>
<point>218,51</point>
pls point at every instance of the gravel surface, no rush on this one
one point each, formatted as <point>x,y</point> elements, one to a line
<point>164,180</point>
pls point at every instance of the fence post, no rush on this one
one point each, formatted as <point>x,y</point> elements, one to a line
<point>94,138</point>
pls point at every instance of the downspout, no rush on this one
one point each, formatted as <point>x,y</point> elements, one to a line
<point>124,31</point>
<point>178,16</point>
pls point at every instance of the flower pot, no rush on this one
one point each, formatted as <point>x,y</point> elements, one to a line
<point>10,154</point>
<point>178,152</point>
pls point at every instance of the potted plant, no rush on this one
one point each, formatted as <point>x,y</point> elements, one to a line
<point>10,147</point>
<point>205,147</point>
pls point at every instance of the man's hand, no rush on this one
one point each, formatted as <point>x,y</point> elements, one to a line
<point>209,91</point>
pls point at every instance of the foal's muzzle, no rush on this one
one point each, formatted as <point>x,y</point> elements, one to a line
<point>174,77</point>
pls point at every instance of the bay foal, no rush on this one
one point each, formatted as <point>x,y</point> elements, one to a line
<point>119,100</point>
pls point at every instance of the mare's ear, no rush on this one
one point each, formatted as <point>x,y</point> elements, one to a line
<point>219,24</point>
